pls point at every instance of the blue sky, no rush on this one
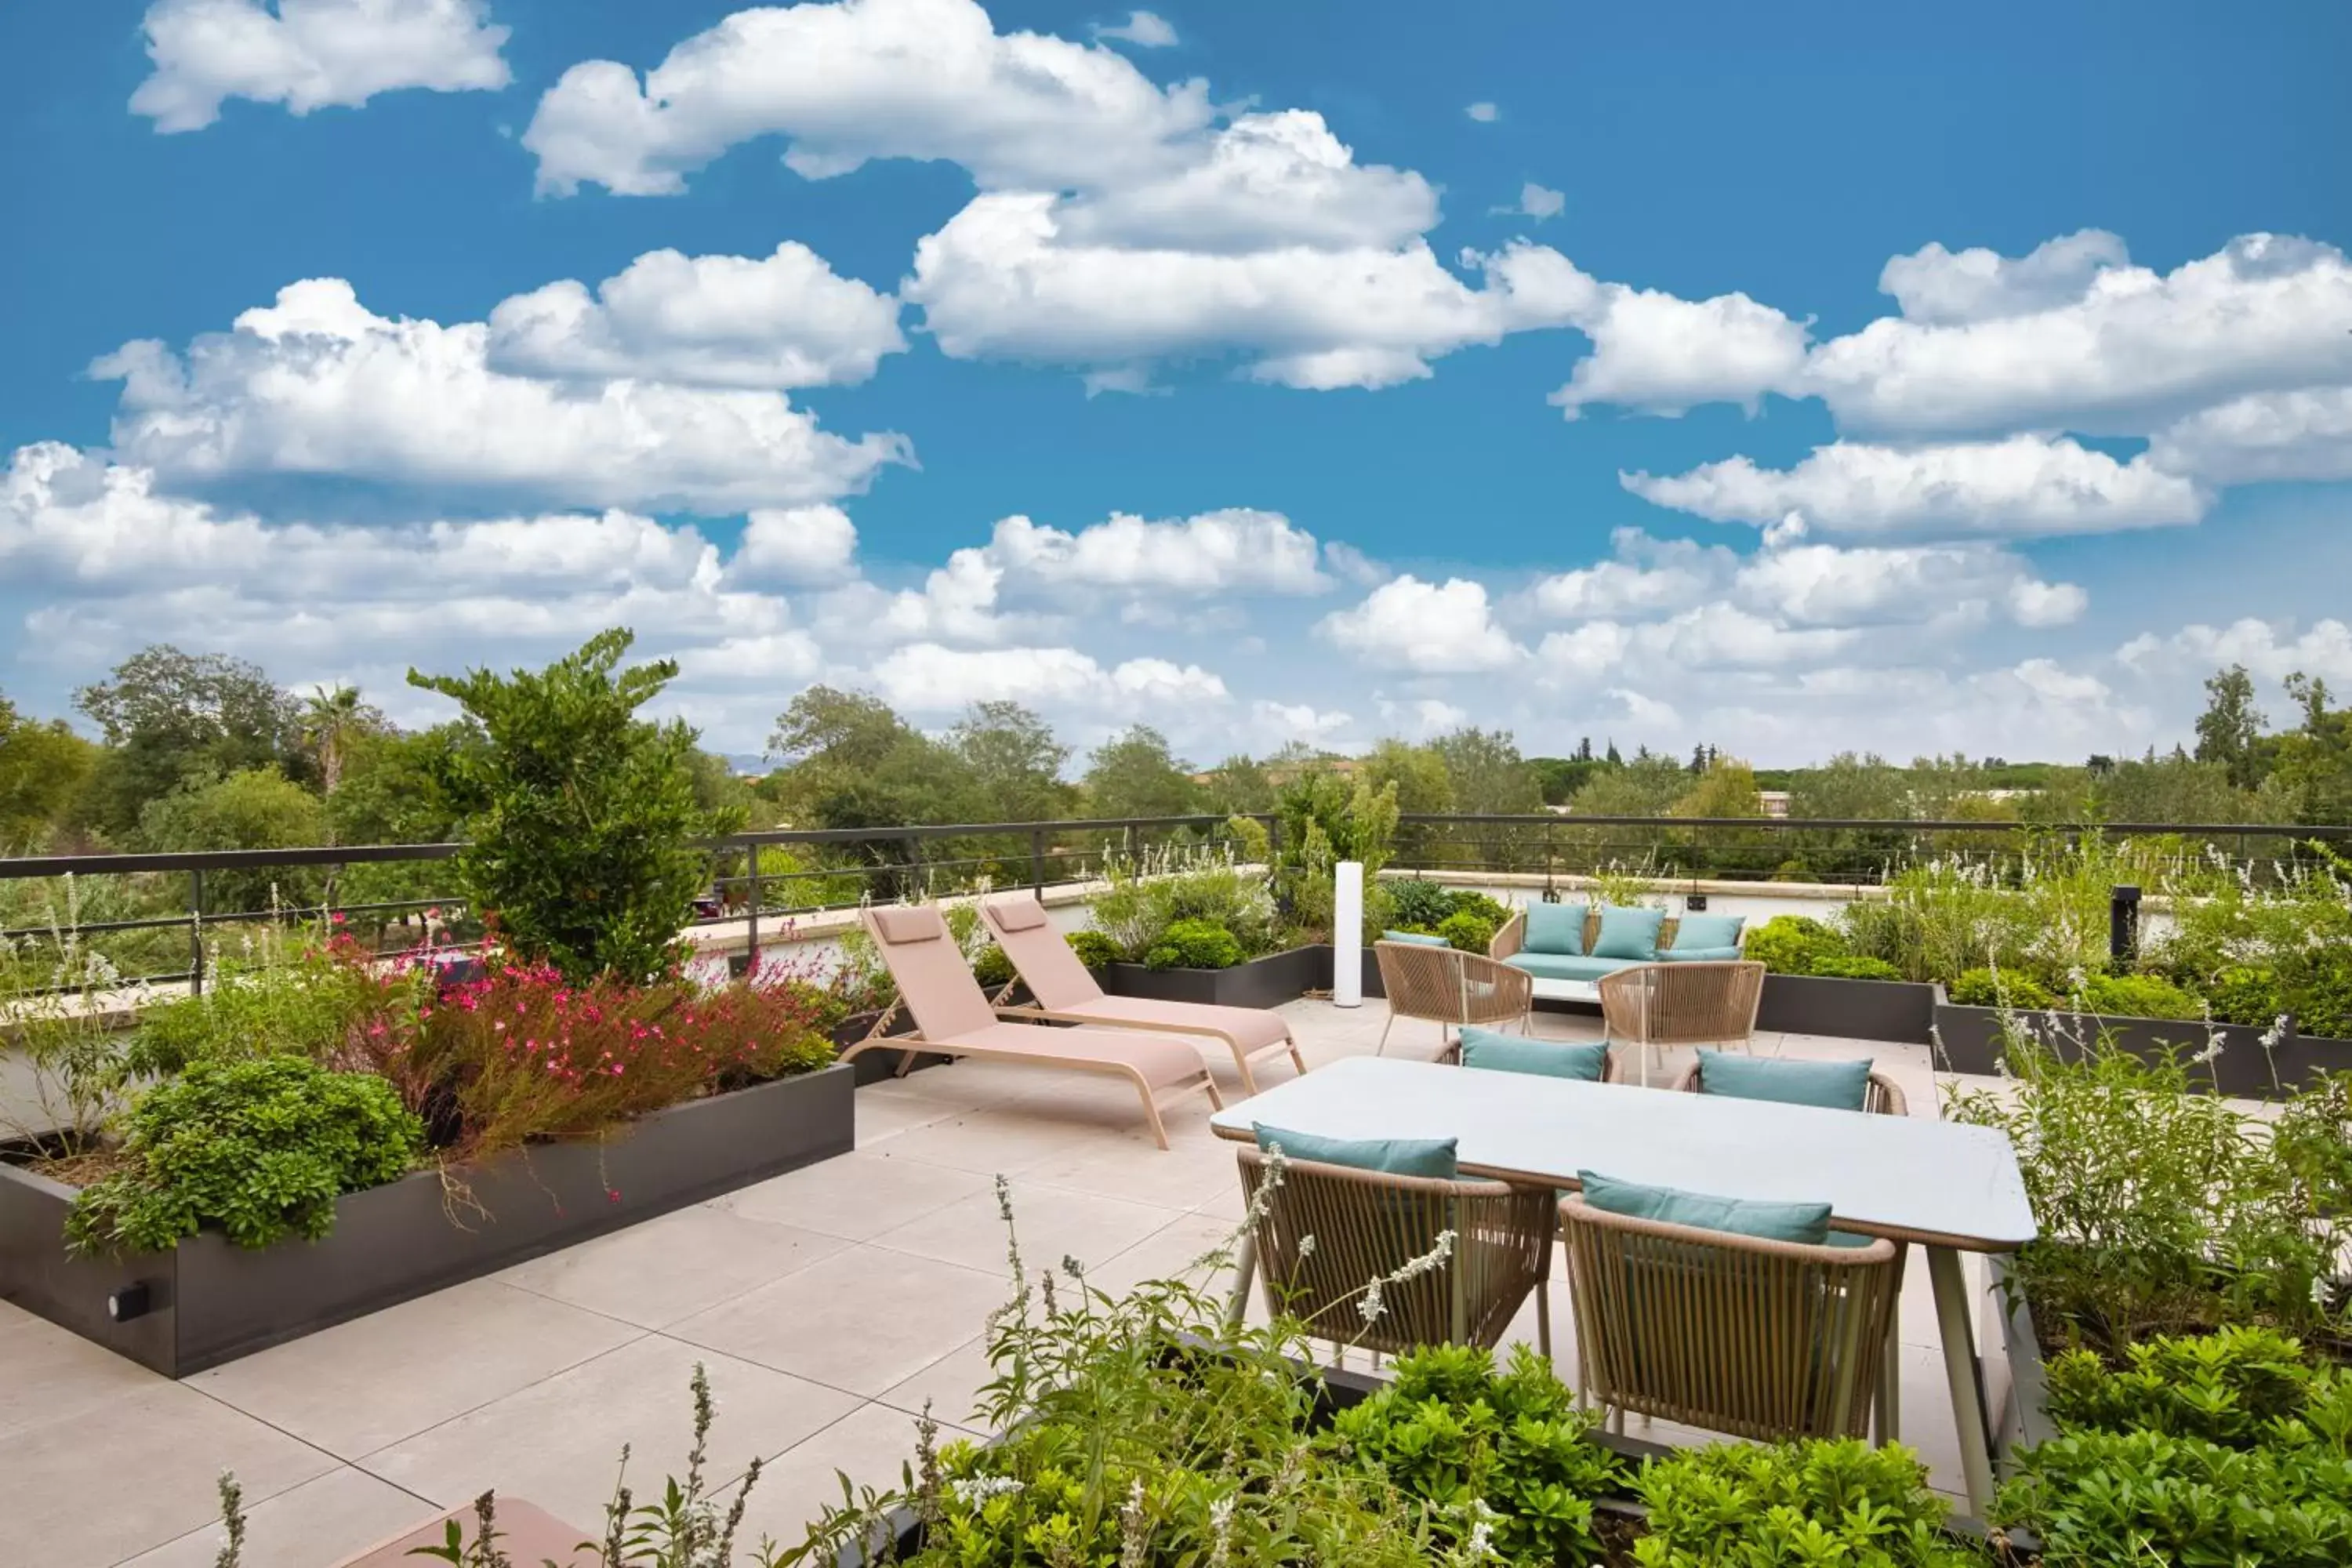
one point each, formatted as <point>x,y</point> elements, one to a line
<point>1934,385</point>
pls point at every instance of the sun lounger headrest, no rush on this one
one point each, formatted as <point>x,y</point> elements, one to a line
<point>1024,913</point>
<point>918,922</point>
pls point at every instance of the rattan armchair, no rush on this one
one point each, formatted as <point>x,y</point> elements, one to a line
<point>1885,1097</point>
<point>1651,1005</point>
<point>1329,1231</point>
<point>1450,988</point>
<point>1767,1340</point>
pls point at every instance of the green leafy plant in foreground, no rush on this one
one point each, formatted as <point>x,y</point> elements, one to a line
<point>1794,1505</point>
<point>2228,1448</point>
<point>260,1148</point>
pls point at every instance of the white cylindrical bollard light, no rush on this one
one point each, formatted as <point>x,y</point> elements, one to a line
<point>1348,935</point>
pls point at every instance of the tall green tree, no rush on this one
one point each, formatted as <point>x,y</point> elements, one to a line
<point>1136,774</point>
<point>580,816</point>
<point>2315,758</point>
<point>2229,731</point>
<point>330,720</point>
<point>852,761</point>
<point>1013,762</point>
<point>1239,787</point>
<point>255,808</point>
<point>173,719</point>
<point>43,771</point>
<point>1490,776</point>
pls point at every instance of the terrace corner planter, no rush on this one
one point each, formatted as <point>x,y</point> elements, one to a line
<point>1973,1042</point>
<point>1267,982</point>
<point>1897,1010</point>
<point>207,1302</point>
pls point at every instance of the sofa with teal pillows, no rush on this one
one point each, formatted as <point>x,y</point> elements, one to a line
<point>1583,943</point>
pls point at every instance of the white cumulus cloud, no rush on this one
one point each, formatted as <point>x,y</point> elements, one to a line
<point>1433,628</point>
<point>2264,435</point>
<point>1144,29</point>
<point>2271,649</point>
<point>796,544</point>
<point>311,54</point>
<point>781,320</point>
<point>927,678</point>
<point>1661,353</point>
<point>316,383</point>
<point>1216,552</point>
<point>1944,287</point>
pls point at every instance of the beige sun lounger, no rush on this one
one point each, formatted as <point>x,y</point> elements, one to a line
<point>952,1016</point>
<point>1065,991</point>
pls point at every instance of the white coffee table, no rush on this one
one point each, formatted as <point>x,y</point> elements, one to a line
<point>1585,991</point>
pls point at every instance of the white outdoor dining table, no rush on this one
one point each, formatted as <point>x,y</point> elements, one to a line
<point>1948,1187</point>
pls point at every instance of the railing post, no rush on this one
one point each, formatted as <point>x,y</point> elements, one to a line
<point>196,931</point>
<point>2123,924</point>
<point>1037,861</point>
<point>752,948</point>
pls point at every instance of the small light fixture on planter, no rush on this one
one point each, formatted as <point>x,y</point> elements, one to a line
<point>131,1301</point>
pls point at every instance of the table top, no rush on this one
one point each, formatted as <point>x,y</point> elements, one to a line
<point>1941,1183</point>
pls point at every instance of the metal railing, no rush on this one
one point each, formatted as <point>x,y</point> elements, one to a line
<point>816,869</point>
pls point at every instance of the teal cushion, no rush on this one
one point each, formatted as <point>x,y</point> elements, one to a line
<point>1806,1223</point>
<point>1494,1051</point>
<point>1707,931</point>
<point>1418,938</point>
<point>1836,1085</point>
<point>1629,933</point>
<point>1678,954</point>
<point>1397,1156</point>
<point>1552,966</point>
<point>1556,928</point>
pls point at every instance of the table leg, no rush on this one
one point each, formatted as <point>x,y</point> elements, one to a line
<point>1245,1272</point>
<point>1960,1372</point>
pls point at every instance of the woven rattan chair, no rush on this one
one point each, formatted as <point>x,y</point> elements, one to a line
<point>1652,1005</point>
<point>1367,1225</point>
<point>1450,988</point>
<point>1760,1339</point>
<point>1885,1097</point>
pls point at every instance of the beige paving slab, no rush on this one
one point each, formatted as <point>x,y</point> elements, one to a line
<point>355,1387</point>
<point>136,1472</point>
<point>1139,1170</point>
<point>673,1265</point>
<point>863,1319</point>
<point>338,1515</point>
<point>1053,1222</point>
<point>951,1385</point>
<point>856,1196</point>
<point>992,1142</point>
<point>559,1441</point>
<point>49,1377</point>
<point>1169,1253</point>
<point>884,1116</point>
<point>869,1446</point>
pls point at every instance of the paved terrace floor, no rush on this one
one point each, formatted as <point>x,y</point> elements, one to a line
<point>828,1306</point>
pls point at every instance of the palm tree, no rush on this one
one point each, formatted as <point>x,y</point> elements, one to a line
<point>330,718</point>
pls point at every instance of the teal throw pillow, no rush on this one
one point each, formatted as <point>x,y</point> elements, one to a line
<point>1397,1156</point>
<point>1771,1221</point>
<point>1707,931</point>
<point>1678,954</point>
<point>1629,933</point>
<point>1835,1085</point>
<point>1417,938</point>
<point>1556,928</point>
<point>1491,1051</point>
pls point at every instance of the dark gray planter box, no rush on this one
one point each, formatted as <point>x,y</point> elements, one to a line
<point>1972,1041</point>
<point>1267,982</point>
<point>2016,1384</point>
<point>209,1302</point>
<point>1897,1010</point>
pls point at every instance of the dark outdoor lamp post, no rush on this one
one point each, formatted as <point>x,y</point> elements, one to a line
<point>2123,924</point>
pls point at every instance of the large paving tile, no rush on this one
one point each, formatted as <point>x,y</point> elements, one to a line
<point>863,1319</point>
<point>672,1267</point>
<point>47,1375</point>
<point>1139,1170</point>
<point>340,1514</point>
<point>355,1387</point>
<point>869,1446</point>
<point>559,1441</point>
<point>856,1196</point>
<point>991,1142</point>
<point>950,1386</point>
<point>137,1472</point>
<point>1053,1222</point>
<point>1171,1252</point>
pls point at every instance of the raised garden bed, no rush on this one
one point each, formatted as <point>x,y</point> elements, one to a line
<point>1897,1010</point>
<point>2016,1386</point>
<point>1267,982</point>
<point>207,1302</point>
<point>1972,1041</point>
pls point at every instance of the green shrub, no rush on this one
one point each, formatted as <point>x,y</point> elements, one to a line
<point>260,1148</point>
<point>2243,993</point>
<point>1991,988</point>
<point>1467,930</point>
<point>1143,902</point>
<point>1418,904</point>
<point>1851,968</point>
<point>2138,996</point>
<point>1825,1502</point>
<point>1095,950</point>
<point>1450,1428</point>
<point>2224,1449</point>
<point>991,966</point>
<point>1793,944</point>
<point>1194,944</point>
<point>1493,910</point>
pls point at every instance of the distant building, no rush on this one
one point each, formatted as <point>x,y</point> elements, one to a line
<point>1776,802</point>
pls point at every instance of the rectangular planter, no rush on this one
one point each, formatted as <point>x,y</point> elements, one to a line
<point>1267,982</point>
<point>1972,1041</point>
<point>2016,1385</point>
<point>207,1302</point>
<point>1897,1010</point>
